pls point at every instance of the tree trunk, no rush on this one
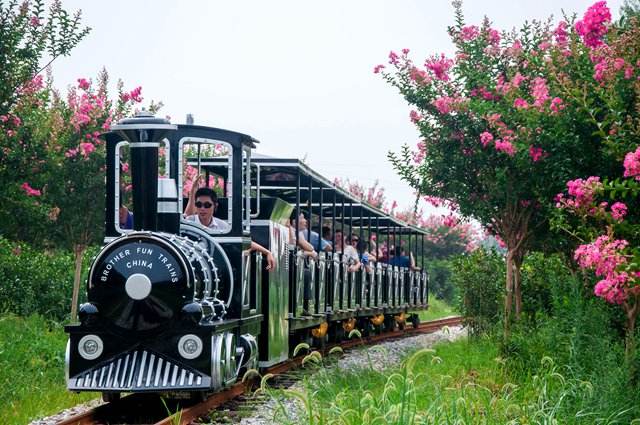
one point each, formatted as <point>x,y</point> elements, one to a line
<point>508,296</point>
<point>517,265</point>
<point>79,252</point>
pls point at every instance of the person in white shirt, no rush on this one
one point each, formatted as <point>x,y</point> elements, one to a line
<point>205,205</point>
<point>349,253</point>
<point>204,201</point>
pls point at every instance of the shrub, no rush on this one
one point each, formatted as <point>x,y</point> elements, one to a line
<point>478,278</point>
<point>440,283</point>
<point>33,281</point>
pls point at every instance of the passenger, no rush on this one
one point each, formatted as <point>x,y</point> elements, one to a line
<point>303,226</point>
<point>349,253</point>
<point>326,238</point>
<point>126,218</point>
<point>205,204</point>
<point>271,262</point>
<point>374,252</point>
<point>400,260</point>
<point>361,246</point>
<point>305,246</point>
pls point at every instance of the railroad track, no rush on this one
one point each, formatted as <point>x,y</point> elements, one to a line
<point>151,409</point>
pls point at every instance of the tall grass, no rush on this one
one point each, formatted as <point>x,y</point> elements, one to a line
<point>464,382</point>
<point>32,370</point>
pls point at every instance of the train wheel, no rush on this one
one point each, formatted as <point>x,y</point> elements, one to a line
<point>338,333</point>
<point>389,324</point>
<point>415,320</point>
<point>110,397</point>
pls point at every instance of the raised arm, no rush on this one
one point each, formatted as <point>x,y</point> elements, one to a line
<point>191,205</point>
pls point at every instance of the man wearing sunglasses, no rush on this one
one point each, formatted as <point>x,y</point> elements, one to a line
<point>205,205</point>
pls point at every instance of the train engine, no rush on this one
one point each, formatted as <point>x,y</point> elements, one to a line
<point>167,307</point>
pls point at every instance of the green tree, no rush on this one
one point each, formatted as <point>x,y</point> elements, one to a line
<point>27,35</point>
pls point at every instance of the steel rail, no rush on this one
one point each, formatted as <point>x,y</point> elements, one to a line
<point>191,413</point>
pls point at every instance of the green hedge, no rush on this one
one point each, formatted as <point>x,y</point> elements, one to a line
<point>32,281</point>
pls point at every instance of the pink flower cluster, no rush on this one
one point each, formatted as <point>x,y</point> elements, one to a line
<point>446,104</point>
<point>583,193</point>
<point>537,154</point>
<point>415,117</point>
<point>505,139</point>
<point>539,92</point>
<point>440,202</point>
<point>134,95</point>
<point>632,164</point>
<point>439,66</point>
<point>618,211</point>
<point>469,32</point>
<point>29,190</point>
<point>606,67</point>
<point>419,76</point>
<point>378,68</point>
<point>606,256</point>
<point>593,26</point>
<point>560,34</point>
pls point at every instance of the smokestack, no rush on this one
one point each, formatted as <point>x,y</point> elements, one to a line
<point>190,119</point>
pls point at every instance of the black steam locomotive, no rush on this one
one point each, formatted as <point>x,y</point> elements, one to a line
<point>174,306</point>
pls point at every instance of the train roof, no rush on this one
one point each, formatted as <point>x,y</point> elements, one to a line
<point>278,177</point>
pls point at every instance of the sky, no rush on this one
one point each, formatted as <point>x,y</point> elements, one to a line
<point>296,75</point>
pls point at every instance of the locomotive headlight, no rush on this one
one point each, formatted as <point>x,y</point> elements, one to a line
<point>90,347</point>
<point>190,346</point>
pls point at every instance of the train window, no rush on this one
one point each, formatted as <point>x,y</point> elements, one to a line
<point>211,160</point>
<point>124,212</point>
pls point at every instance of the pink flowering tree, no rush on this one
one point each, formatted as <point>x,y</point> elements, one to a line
<point>52,163</point>
<point>504,123</point>
<point>373,195</point>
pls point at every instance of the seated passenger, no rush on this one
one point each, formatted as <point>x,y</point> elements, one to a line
<point>126,218</point>
<point>305,246</point>
<point>326,239</point>
<point>311,237</point>
<point>350,253</point>
<point>205,204</point>
<point>401,259</point>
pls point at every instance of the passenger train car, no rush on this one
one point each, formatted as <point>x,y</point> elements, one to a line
<point>176,307</point>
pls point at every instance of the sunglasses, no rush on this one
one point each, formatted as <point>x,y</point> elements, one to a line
<point>203,204</point>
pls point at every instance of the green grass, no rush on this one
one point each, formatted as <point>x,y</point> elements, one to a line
<point>32,370</point>
<point>465,382</point>
<point>437,310</point>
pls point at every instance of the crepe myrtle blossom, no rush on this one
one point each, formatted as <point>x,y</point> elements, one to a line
<point>378,68</point>
<point>618,211</point>
<point>83,84</point>
<point>594,25</point>
<point>29,190</point>
<point>440,66</point>
<point>632,164</point>
<point>415,117</point>
<point>503,145</point>
<point>469,32</point>
<point>485,138</point>
<point>582,191</point>
<point>606,256</point>
<point>536,153</point>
